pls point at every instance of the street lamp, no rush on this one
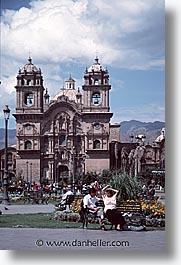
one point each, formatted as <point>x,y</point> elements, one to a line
<point>5,200</point>
<point>27,171</point>
<point>30,173</point>
<point>73,170</point>
<point>116,155</point>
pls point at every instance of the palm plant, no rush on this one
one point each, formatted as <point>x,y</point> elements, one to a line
<point>128,187</point>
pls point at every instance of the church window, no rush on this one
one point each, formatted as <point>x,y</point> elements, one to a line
<point>28,145</point>
<point>79,139</point>
<point>29,99</point>
<point>96,99</point>
<point>97,126</point>
<point>28,127</point>
<point>90,81</point>
<point>10,157</point>
<point>62,139</point>
<point>28,82</point>
<point>96,82</point>
<point>97,144</point>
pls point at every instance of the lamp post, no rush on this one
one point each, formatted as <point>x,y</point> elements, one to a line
<point>73,170</point>
<point>27,171</point>
<point>5,200</point>
<point>30,173</point>
<point>116,155</point>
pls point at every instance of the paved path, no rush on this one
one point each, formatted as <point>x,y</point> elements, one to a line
<point>27,208</point>
<point>78,239</point>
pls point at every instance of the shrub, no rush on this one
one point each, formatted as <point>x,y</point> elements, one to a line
<point>67,216</point>
<point>128,186</point>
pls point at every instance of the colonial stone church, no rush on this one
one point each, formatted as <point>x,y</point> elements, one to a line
<point>70,134</point>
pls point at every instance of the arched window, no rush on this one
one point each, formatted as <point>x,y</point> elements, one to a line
<point>28,82</point>
<point>96,99</point>
<point>28,145</point>
<point>96,82</point>
<point>29,99</point>
<point>10,157</point>
<point>62,139</point>
<point>97,144</point>
<point>22,81</point>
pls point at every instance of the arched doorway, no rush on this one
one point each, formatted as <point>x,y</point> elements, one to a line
<point>63,174</point>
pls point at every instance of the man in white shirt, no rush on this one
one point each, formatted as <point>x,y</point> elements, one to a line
<point>90,200</point>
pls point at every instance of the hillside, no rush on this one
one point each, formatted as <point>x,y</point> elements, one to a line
<point>11,137</point>
<point>133,127</point>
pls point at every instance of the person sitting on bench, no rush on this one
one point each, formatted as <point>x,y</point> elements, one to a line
<point>89,203</point>
<point>62,203</point>
<point>90,200</point>
<point>109,197</point>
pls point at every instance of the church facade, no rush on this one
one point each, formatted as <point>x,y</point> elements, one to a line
<point>68,135</point>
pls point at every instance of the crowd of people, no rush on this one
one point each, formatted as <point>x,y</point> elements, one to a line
<point>54,188</point>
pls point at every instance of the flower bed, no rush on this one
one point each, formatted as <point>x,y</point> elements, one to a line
<point>154,212</point>
<point>153,208</point>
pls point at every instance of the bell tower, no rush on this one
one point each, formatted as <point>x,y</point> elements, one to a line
<point>96,117</point>
<point>30,103</point>
<point>29,89</point>
<point>96,88</point>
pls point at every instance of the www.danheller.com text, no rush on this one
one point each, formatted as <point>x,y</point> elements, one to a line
<point>82,243</point>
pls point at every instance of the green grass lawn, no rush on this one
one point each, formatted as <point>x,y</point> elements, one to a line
<point>42,220</point>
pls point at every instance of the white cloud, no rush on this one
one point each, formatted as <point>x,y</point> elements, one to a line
<point>61,31</point>
<point>58,33</point>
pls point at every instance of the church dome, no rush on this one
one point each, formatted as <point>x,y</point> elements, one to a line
<point>69,90</point>
<point>96,67</point>
<point>70,93</point>
<point>29,67</point>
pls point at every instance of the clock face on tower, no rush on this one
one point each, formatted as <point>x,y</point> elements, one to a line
<point>96,99</point>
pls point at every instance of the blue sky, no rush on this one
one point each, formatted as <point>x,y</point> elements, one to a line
<point>64,37</point>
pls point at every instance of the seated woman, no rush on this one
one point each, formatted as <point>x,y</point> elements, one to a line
<point>109,197</point>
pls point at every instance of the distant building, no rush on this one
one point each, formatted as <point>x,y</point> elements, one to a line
<point>137,158</point>
<point>11,163</point>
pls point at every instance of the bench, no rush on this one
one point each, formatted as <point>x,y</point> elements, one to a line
<point>68,201</point>
<point>65,205</point>
<point>129,206</point>
<point>35,197</point>
<point>132,212</point>
<point>88,217</point>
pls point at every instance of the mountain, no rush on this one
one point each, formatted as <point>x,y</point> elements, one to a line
<point>133,127</point>
<point>11,137</point>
